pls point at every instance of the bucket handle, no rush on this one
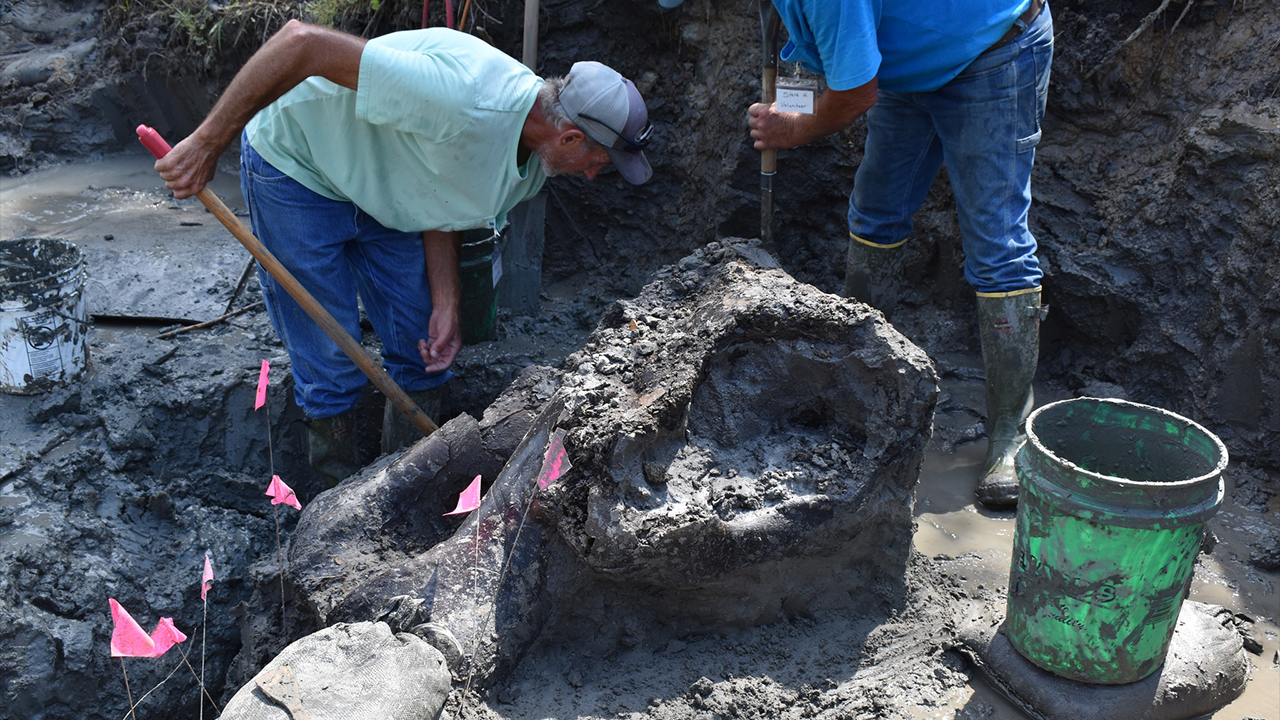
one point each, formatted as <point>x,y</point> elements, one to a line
<point>64,316</point>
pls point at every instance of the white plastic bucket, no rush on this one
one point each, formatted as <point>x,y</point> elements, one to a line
<point>42,314</point>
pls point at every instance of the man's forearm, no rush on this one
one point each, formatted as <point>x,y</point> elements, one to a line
<point>441,249</point>
<point>834,110</point>
<point>293,54</point>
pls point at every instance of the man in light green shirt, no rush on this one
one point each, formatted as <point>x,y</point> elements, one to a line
<point>362,162</point>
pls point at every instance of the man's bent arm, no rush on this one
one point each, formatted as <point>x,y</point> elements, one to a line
<point>298,51</point>
<point>832,112</point>
<point>444,330</point>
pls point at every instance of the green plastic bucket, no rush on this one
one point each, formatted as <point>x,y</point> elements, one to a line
<point>1113,500</point>
<point>480,268</point>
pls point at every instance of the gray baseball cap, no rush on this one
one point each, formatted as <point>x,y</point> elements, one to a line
<point>608,108</point>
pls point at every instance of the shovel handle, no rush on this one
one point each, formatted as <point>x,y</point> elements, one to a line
<point>770,24</point>
<point>152,141</point>
<point>158,147</point>
<point>768,94</point>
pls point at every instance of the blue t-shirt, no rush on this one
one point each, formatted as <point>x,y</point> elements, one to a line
<point>428,142</point>
<point>908,45</point>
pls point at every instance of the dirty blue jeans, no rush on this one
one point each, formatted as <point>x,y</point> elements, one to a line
<point>984,125</point>
<point>337,251</point>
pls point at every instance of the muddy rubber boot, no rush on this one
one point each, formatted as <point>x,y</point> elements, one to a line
<point>332,447</point>
<point>1009,327</point>
<point>873,273</point>
<point>397,430</point>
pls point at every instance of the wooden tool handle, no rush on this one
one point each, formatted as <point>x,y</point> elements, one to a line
<point>768,94</point>
<point>158,147</point>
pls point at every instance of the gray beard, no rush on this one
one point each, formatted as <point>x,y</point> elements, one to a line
<point>546,167</point>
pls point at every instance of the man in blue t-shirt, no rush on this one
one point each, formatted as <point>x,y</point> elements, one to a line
<point>940,82</point>
<point>362,162</point>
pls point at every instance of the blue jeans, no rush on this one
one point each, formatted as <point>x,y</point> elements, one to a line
<point>336,251</point>
<point>984,125</point>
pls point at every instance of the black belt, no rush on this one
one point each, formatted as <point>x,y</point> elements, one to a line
<point>1024,20</point>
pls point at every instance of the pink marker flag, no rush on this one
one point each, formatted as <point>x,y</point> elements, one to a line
<point>282,493</point>
<point>261,398</point>
<point>128,639</point>
<point>165,636</point>
<point>469,499</point>
<point>556,461</point>
<point>206,579</point>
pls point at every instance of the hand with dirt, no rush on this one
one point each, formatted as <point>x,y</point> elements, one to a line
<point>444,340</point>
<point>771,129</point>
<point>188,167</point>
<point>444,330</point>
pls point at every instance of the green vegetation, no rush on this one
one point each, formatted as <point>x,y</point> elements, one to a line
<point>327,12</point>
<point>205,31</point>
<point>211,36</point>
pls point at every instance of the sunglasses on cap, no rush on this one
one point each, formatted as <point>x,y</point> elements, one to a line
<point>635,145</point>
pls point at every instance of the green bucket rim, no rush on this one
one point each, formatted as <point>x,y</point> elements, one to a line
<point>1033,438</point>
<point>1109,499</point>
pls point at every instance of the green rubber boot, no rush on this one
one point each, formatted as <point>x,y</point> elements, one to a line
<point>332,447</point>
<point>397,430</point>
<point>1009,327</point>
<point>873,274</point>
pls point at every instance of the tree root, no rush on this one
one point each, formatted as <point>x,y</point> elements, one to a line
<point>1142,27</point>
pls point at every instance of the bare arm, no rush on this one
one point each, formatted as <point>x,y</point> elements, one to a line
<point>444,330</point>
<point>295,53</point>
<point>832,112</point>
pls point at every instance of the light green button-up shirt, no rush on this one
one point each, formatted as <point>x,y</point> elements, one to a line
<point>428,142</point>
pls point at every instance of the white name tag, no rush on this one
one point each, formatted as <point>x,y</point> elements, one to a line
<point>796,98</point>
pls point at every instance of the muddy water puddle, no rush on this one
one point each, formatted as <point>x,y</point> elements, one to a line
<point>146,254</point>
<point>948,524</point>
<point>75,196</point>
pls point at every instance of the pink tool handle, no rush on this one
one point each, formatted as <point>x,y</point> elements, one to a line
<point>153,142</point>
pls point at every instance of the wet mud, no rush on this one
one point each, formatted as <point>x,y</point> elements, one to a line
<point>1156,202</point>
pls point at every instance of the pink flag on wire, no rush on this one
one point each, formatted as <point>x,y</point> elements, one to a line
<point>469,499</point>
<point>206,578</point>
<point>165,636</point>
<point>282,493</point>
<point>261,398</point>
<point>128,639</point>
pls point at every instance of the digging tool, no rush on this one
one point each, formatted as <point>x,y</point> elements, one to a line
<point>531,34</point>
<point>158,147</point>
<point>769,25</point>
